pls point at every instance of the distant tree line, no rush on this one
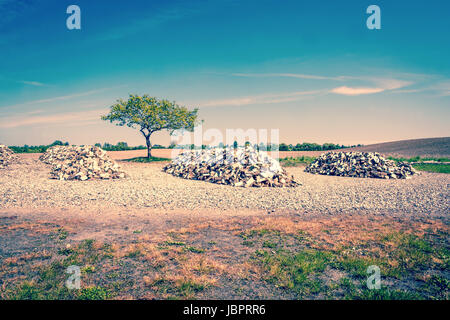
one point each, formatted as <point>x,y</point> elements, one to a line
<point>123,146</point>
<point>306,146</point>
<point>37,149</point>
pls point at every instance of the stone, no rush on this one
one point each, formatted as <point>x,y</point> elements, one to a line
<point>81,163</point>
<point>240,167</point>
<point>7,156</point>
<point>360,165</point>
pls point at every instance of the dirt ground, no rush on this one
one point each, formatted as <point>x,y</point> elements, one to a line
<point>154,254</point>
<point>251,245</point>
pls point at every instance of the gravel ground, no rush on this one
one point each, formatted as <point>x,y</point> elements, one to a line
<point>27,186</point>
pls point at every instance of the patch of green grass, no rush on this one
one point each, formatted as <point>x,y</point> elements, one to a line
<point>269,244</point>
<point>260,232</point>
<point>62,234</point>
<point>174,243</point>
<point>427,167</point>
<point>88,269</point>
<point>107,251</point>
<point>66,251</point>
<point>384,293</point>
<point>163,285</point>
<point>185,247</point>
<point>47,281</point>
<point>48,285</point>
<point>26,291</point>
<point>438,287</point>
<point>248,243</point>
<point>94,293</point>
<point>432,167</point>
<point>300,265</point>
<point>113,275</point>
<point>296,161</point>
<point>188,288</point>
<point>354,265</point>
<point>295,271</point>
<point>194,249</point>
<point>419,159</point>
<point>87,244</point>
<point>146,160</point>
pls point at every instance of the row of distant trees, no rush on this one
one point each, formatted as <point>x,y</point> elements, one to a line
<point>120,146</point>
<point>123,146</point>
<point>37,149</point>
<point>306,146</point>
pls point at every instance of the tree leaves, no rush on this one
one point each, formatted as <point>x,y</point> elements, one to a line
<point>150,114</point>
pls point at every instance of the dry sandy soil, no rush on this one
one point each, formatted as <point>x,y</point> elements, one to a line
<point>27,186</point>
<point>164,237</point>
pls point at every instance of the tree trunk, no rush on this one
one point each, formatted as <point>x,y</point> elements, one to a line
<point>149,147</point>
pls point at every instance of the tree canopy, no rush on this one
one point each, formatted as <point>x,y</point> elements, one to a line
<point>150,114</point>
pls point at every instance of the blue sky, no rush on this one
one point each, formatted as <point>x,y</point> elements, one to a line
<point>313,70</point>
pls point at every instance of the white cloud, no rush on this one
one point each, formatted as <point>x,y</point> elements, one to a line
<point>382,84</point>
<point>260,99</point>
<point>289,75</point>
<point>33,83</point>
<point>443,88</point>
<point>63,118</point>
<point>440,89</point>
<point>63,98</point>
<point>348,91</point>
<point>391,84</point>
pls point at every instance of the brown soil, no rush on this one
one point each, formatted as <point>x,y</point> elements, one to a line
<point>225,264</point>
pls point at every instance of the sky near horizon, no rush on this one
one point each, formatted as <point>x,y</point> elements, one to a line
<point>311,69</point>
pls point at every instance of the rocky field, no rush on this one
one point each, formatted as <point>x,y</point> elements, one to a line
<point>28,185</point>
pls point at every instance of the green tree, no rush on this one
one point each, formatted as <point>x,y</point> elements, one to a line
<point>284,147</point>
<point>149,114</point>
<point>57,143</point>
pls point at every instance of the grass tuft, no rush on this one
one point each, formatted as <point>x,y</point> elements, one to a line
<point>146,160</point>
<point>432,167</point>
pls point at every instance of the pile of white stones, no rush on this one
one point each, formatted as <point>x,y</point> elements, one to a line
<point>81,163</point>
<point>7,156</point>
<point>240,167</point>
<point>360,165</point>
<point>55,154</point>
